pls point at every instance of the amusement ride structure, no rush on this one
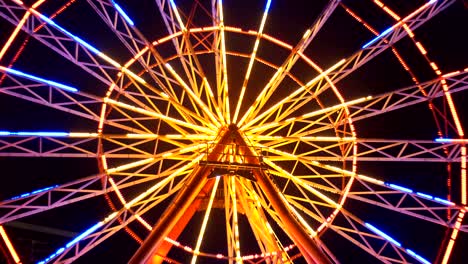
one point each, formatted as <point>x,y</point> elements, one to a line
<point>167,132</point>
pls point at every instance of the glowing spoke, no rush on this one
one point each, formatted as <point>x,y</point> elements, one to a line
<point>159,116</point>
<point>205,220</point>
<point>298,181</point>
<point>221,66</point>
<point>281,72</point>
<point>306,139</point>
<point>193,95</point>
<point>251,61</point>
<point>130,165</point>
<point>163,182</point>
<point>179,79</point>
<point>328,110</point>
<point>289,97</point>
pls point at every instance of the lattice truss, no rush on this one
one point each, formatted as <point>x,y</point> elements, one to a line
<point>234,136</point>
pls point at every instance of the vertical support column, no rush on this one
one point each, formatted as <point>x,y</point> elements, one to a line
<point>162,251</point>
<point>307,246</point>
<point>171,216</point>
<point>309,249</point>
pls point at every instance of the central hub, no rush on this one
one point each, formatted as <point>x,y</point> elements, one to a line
<point>231,155</point>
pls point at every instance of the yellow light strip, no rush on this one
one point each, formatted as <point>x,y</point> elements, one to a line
<point>463,176</point>
<point>310,114</point>
<point>453,237</point>
<point>207,86</point>
<point>205,220</point>
<point>213,100</point>
<point>163,182</point>
<point>251,109</point>
<point>453,110</point>
<point>224,84</point>
<point>130,165</point>
<point>421,48</point>
<point>157,115</point>
<point>101,118</point>
<point>292,95</point>
<point>252,59</point>
<point>171,136</point>
<point>117,191</point>
<point>124,202</point>
<point>235,219</point>
<point>192,94</point>
<point>14,34</point>
<point>300,182</point>
<point>10,247</point>
<point>309,138</point>
<point>104,162</point>
<point>298,216</point>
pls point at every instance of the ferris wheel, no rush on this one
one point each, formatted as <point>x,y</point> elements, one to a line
<point>231,132</point>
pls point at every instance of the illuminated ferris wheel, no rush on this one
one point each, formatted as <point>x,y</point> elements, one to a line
<point>201,135</point>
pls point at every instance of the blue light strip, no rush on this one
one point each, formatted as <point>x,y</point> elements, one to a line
<point>393,241</point>
<point>73,242</point>
<point>388,30</point>
<point>60,250</point>
<point>268,5</point>
<point>422,195</point>
<point>443,140</point>
<point>32,193</point>
<point>451,140</point>
<point>39,79</point>
<point>427,196</point>
<point>378,37</point>
<point>440,200</point>
<point>77,39</point>
<point>84,234</point>
<point>418,257</point>
<point>124,15</point>
<point>38,134</point>
<point>382,234</point>
<point>398,187</point>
